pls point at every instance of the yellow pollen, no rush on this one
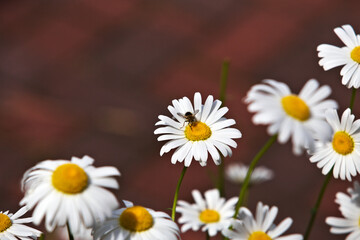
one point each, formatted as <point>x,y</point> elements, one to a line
<point>197,131</point>
<point>295,107</point>
<point>69,178</point>
<point>5,222</point>
<point>259,235</point>
<point>355,54</point>
<point>343,143</point>
<point>136,219</point>
<point>209,216</point>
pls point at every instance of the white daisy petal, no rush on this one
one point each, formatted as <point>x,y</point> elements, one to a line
<point>350,209</point>
<point>348,56</point>
<point>13,227</point>
<point>249,227</point>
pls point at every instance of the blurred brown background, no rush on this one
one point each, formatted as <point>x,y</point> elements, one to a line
<point>90,77</point>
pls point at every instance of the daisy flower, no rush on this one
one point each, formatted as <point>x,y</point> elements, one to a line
<point>236,173</point>
<point>341,152</point>
<point>349,56</point>
<point>136,222</point>
<point>260,228</point>
<point>300,117</point>
<point>350,209</point>
<point>71,192</point>
<point>12,227</point>
<point>195,130</point>
<point>213,213</point>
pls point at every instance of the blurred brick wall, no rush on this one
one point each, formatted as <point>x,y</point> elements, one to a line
<point>90,77</point>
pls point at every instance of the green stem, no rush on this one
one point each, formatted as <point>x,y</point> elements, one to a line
<point>221,178</point>
<point>207,235</point>
<point>317,205</point>
<point>221,169</point>
<point>177,193</point>
<point>71,237</point>
<point>249,172</point>
<point>352,98</point>
<point>224,78</point>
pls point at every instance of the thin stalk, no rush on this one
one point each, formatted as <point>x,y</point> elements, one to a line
<point>173,212</point>
<point>221,178</point>
<point>223,80</point>
<point>352,98</point>
<point>317,205</point>
<point>255,160</point>
<point>207,235</point>
<point>222,97</point>
<point>71,237</point>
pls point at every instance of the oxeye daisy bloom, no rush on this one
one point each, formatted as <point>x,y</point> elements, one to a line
<point>341,152</point>
<point>195,130</point>
<point>300,117</point>
<point>213,213</point>
<point>349,56</point>
<point>236,173</point>
<point>260,228</point>
<point>136,222</point>
<point>12,226</point>
<point>71,192</point>
<point>350,209</point>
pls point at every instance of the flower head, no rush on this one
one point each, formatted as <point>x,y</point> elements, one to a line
<point>196,130</point>
<point>300,117</point>
<point>340,152</point>
<point>349,56</point>
<point>213,213</point>
<point>350,209</point>
<point>136,222</point>
<point>260,228</point>
<point>12,227</point>
<point>236,173</point>
<point>69,192</point>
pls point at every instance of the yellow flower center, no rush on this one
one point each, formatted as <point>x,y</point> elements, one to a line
<point>295,107</point>
<point>343,143</point>
<point>69,178</point>
<point>209,216</point>
<point>136,219</point>
<point>355,54</point>
<point>197,131</point>
<point>259,235</point>
<point>5,222</point>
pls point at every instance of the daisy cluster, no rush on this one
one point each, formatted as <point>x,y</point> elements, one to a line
<point>79,197</point>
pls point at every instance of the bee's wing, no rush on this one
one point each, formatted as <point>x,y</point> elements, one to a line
<point>181,115</point>
<point>196,112</point>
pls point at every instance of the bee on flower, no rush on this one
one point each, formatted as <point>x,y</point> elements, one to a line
<point>196,130</point>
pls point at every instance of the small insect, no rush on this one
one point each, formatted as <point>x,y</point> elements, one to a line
<point>189,118</point>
